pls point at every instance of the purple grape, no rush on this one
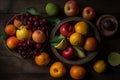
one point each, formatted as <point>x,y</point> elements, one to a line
<point>29,23</point>
<point>35,18</point>
<point>28,27</point>
<point>34,28</point>
<point>27,14</point>
<point>38,46</point>
<point>39,27</point>
<point>19,44</point>
<point>17,18</point>
<point>30,43</point>
<point>22,17</point>
<point>36,23</point>
<point>44,21</point>
<point>30,18</point>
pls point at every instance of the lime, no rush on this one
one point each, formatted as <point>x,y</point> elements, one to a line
<point>114,58</point>
<point>51,9</point>
<point>62,45</point>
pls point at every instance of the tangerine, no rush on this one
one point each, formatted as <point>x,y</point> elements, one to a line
<point>81,27</point>
<point>42,59</point>
<point>76,39</point>
<point>77,72</point>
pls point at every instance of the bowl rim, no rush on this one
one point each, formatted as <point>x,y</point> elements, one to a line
<point>81,61</point>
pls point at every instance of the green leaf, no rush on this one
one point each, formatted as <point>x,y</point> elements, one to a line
<point>53,20</point>
<point>32,11</point>
<point>56,40</point>
<point>3,34</point>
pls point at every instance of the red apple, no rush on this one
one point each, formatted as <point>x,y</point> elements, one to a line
<point>66,29</point>
<point>68,53</point>
<point>88,13</point>
<point>71,8</point>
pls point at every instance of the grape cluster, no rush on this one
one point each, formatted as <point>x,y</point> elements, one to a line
<point>27,47</point>
<point>33,22</point>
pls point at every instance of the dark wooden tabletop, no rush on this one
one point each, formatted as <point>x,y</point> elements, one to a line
<point>16,68</point>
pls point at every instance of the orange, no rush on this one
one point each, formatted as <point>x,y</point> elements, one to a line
<point>12,42</point>
<point>10,29</point>
<point>42,59</point>
<point>76,39</point>
<point>77,72</point>
<point>90,44</point>
<point>57,70</point>
<point>99,66</point>
<point>81,27</point>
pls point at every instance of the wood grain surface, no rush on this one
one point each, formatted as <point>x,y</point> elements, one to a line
<point>15,68</point>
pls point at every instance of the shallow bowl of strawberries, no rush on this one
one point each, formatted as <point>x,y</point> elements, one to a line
<point>26,34</point>
<point>75,41</point>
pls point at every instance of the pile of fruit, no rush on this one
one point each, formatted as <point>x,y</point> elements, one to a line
<point>27,34</point>
<point>75,38</point>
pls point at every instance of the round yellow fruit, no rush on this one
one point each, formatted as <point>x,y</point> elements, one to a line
<point>81,27</point>
<point>76,39</point>
<point>23,33</point>
<point>99,66</point>
<point>57,70</point>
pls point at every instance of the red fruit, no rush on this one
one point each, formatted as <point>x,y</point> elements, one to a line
<point>68,53</point>
<point>10,29</point>
<point>71,8</point>
<point>17,23</point>
<point>12,42</point>
<point>66,29</point>
<point>88,13</point>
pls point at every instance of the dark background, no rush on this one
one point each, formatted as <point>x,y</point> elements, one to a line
<point>15,68</point>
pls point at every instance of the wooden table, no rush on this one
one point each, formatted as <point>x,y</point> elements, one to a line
<point>16,68</point>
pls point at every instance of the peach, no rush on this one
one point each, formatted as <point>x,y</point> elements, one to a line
<point>12,42</point>
<point>39,36</point>
<point>10,29</point>
<point>17,23</point>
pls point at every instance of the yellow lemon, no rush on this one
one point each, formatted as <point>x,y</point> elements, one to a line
<point>76,39</point>
<point>81,27</point>
<point>62,45</point>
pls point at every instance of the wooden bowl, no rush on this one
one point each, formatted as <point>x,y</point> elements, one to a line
<point>14,51</point>
<point>90,55</point>
<point>103,31</point>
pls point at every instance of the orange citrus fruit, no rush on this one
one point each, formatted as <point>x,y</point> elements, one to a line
<point>57,70</point>
<point>90,44</point>
<point>42,59</point>
<point>81,27</point>
<point>76,39</point>
<point>77,72</point>
<point>99,66</point>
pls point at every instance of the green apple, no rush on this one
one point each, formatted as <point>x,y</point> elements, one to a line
<point>23,33</point>
<point>51,9</point>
